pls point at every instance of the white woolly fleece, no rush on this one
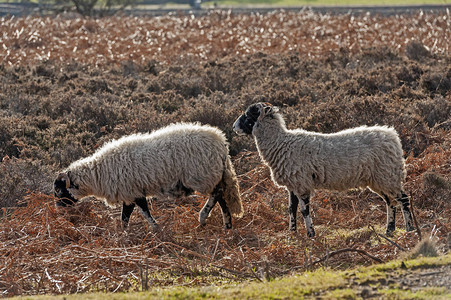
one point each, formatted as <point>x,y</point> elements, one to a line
<point>153,163</point>
<point>303,161</point>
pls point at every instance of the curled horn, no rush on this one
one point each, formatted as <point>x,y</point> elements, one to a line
<point>64,177</point>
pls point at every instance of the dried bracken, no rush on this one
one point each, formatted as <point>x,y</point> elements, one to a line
<point>85,248</point>
<point>68,85</point>
<point>216,35</point>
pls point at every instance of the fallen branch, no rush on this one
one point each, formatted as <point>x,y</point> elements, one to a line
<point>386,238</point>
<point>393,243</point>
<point>333,253</point>
<point>347,250</point>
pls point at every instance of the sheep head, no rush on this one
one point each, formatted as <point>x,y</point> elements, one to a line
<point>254,113</point>
<point>61,186</point>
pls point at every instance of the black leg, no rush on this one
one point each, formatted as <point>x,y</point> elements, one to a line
<point>294,201</point>
<point>391,216</point>
<point>216,196</point>
<point>126,213</point>
<point>404,199</point>
<point>305,210</point>
<point>205,212</point>
<point>225,213</point>
<point>142,204</point>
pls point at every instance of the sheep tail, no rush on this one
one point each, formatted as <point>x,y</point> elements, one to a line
<point>232,190</point>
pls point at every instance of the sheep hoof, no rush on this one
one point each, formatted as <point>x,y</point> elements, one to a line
<point>311,233</point>
<point>202,221</point>
<point>203,216</point>
<point>389,232</point>
<point>292,228</point>
<point>228,226</point>
<point>410,228</point>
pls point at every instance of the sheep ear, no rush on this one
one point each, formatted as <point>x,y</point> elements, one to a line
<point>64,177</point>
<point>266,109</point>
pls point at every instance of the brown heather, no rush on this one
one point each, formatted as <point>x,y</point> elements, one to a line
<point>68,85</point>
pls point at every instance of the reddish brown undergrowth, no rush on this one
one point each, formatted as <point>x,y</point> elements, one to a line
<point>50,250</point>
<point>102,81</point>
<point>214,36</point>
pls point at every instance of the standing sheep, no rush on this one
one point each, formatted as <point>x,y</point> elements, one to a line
<point>173,161</point>
<point>303,161</point>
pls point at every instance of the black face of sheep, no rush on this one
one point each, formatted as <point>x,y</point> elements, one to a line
<point>61,185</point>
<point>245,123</point>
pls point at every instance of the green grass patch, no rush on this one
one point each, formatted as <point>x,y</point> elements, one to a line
<point>329,283</point>
<point>426,293</point>
<point>376,272</point>
<point>423,262</point>
<point>341,294</point>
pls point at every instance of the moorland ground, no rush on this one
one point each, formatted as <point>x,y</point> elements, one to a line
<point>69,84</point>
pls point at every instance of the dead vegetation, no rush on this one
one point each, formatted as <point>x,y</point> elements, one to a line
<point>217,35</point>
<point>54,111</point>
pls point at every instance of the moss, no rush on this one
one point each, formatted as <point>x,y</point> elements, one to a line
<point>347,294</point>
<point>426,293</point>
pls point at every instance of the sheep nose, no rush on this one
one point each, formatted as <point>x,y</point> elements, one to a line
<point>236,127</point>
<point>238,131</point>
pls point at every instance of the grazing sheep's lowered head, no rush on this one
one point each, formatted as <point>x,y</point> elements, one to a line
<point>61,187</point>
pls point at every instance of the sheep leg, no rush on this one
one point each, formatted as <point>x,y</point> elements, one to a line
<point>305,211</point>
<point>294,201</point>
<point>216,196</point>
<point>404,200</point>
<point>126,213</point>
<point>227,217</point>
<point>142,204</point>
<point>391,216</point>
<point>205,212</point>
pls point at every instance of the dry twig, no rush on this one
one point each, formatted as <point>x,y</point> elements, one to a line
<point>387,239</point>
<point>414,217</point>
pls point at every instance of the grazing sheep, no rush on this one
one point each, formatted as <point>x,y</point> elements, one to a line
<point>173,161</point>
<point>303,161</point>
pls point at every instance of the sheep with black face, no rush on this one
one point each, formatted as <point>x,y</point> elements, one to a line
<point>170,162</point>
<point>302,161</point>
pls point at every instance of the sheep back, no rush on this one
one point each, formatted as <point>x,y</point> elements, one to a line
<point>359,157</point>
